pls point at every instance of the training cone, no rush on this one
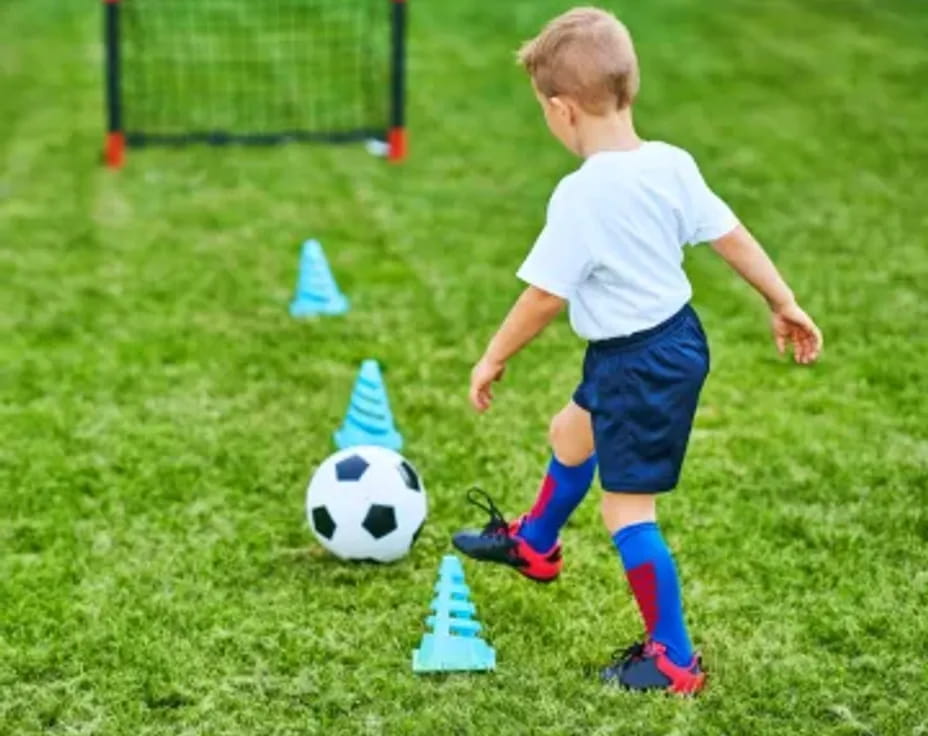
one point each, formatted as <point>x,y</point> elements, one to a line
<point>369,420</point>
<point>452,644</point>
<point>316,290</point>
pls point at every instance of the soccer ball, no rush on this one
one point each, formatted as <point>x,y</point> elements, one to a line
<point>366,503</point>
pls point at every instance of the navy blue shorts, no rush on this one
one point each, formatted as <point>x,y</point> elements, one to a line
<point>641,392</point>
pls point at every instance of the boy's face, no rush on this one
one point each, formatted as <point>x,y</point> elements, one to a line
<point>561,117</point>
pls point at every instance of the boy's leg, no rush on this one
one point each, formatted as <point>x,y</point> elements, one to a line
<point>668,661</point>
<point>567,480</point>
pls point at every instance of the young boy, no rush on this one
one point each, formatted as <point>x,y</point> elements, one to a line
<point>612,250</point>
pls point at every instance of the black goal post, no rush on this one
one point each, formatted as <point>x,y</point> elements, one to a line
<point>254,72</point>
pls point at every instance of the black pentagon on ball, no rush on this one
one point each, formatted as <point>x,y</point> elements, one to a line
<point>323,522</point>
<point>380,520</point>
<point>351,468</point>
<point>410,476</point>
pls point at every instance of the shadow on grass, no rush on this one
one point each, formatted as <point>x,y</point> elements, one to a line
<point>321,566</point>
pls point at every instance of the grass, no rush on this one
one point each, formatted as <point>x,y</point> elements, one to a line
<point>161,413</point>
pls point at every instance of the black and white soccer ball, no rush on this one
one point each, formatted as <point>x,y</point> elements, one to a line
<point>366,503</point>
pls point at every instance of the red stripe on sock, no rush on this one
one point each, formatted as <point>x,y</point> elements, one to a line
<point>544,496</point>
<point>643,581</point>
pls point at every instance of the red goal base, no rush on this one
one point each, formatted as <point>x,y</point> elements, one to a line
<point>396,144</point>
<point>114,152</point>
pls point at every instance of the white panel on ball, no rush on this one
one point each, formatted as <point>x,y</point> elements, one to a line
<point>366,503</point>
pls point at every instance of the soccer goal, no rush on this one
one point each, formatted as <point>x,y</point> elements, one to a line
<point>254,72</point>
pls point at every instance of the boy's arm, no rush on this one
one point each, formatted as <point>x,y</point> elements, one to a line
<point>531,313</point>
<point>791,325</point>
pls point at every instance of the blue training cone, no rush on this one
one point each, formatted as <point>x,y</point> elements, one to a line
<point>369,420</point>
<point>316,290</point>
<point>452,645</point>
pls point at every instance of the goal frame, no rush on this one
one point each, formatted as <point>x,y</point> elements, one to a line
<point>118,140</point>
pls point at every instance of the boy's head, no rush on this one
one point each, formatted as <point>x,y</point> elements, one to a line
<point>582,63</point>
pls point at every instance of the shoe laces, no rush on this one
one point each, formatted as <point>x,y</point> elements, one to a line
<point>631,653</point>
<point>497,523</point>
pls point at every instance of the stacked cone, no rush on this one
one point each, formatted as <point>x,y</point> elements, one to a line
<point>316,290</point>
<point>369,420</point>
<point>452,644</point>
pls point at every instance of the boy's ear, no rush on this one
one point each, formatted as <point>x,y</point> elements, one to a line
<point>566,108</point>
<point>559,105</point>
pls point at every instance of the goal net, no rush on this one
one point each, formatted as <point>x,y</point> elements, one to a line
<point>254,71</point>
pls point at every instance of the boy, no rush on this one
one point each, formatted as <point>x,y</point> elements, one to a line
<point>611,249</point>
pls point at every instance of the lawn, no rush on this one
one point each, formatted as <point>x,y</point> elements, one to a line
<point>160,412</point>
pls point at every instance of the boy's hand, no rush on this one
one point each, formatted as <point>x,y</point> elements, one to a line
<point>481,379</point>
<point>792,326</point>
<point>533,310</point>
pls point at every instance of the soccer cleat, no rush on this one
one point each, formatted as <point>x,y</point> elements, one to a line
<point>647,667</point>
<point>499,541</point>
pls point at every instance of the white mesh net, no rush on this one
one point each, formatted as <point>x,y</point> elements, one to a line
<point>254,68</point>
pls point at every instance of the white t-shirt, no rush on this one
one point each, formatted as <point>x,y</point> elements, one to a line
<point>613,241</point>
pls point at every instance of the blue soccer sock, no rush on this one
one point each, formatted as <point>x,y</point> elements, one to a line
<point>562,489</point>
<point>652,576</point>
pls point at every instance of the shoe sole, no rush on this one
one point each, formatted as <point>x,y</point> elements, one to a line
<point>669,690</point>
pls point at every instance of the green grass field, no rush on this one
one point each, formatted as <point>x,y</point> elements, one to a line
<point>161,413</point>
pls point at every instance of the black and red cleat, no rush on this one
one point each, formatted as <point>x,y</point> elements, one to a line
<point>499,541</point>
<point>647,667</point>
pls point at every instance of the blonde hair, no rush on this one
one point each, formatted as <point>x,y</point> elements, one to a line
<point>587,54</point>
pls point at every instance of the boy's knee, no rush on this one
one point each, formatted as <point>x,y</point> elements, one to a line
<point>570,447</point>
<point>624,509</point>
